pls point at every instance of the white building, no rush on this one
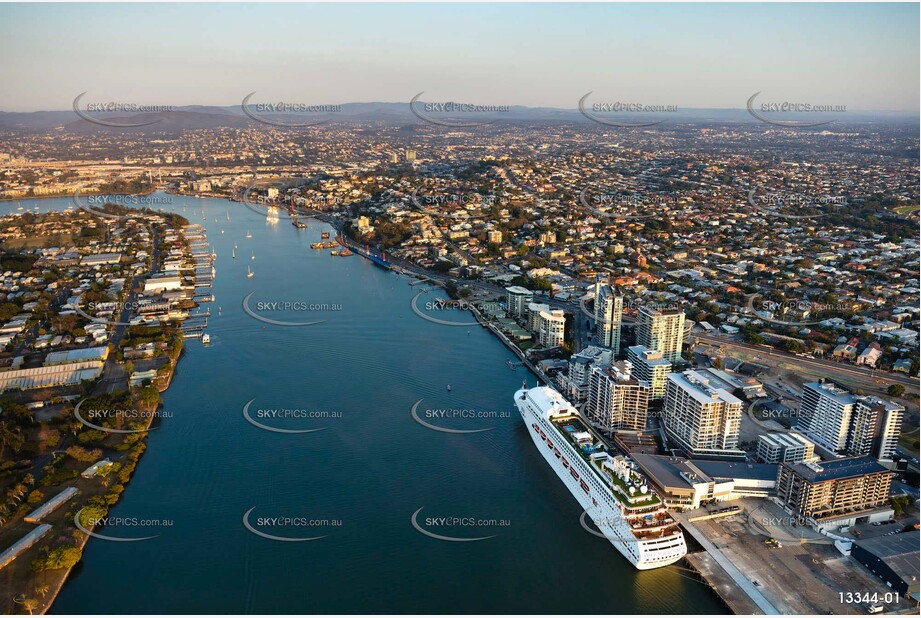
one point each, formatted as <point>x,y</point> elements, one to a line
<point>159,284</point>
<point>575,382</point>
<point>518,299</point>
<point>875,428</point>
<point>785,447</point>
<point>534,311</point>
<point>648,365</point>
<point>609,310</point>
<point>616,401</point>
<point>552,328</point>
<point>661,330</point>
<point>701,419</point>
<point>827,410</point>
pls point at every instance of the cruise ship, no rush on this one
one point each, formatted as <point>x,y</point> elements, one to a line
<point>609,487</point>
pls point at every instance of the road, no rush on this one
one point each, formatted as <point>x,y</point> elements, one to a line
<point>816,363</point>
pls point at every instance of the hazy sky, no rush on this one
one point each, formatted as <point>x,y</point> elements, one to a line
<point>864,56</point>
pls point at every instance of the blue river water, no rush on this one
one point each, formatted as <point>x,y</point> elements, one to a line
<point>357,482</point>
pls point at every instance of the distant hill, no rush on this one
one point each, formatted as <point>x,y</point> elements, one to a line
<point>232,116</point>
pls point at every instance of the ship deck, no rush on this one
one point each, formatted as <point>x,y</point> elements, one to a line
<point>619,488</point>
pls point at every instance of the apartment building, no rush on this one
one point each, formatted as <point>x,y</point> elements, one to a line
<point>609,309</point>
<point>518,299</point>
<point>552,328</point>
<point>836,493</point>
<point>849,424</point>
<point>649,366</point>
<point>784,448</point>
<point>701,419</point>
<point>661,330</point>
<point>616,401</point>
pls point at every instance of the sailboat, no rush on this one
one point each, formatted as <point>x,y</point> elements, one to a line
<point>249,273</point>
<point>248,234</point>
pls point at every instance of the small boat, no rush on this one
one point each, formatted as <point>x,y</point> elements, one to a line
<point>233,253</point>
<point>324,235</point>
<point>254,256</point>
<point>249,273</point>
<point>222,232</point>
<point>449,387</point>
<point>205,338</point>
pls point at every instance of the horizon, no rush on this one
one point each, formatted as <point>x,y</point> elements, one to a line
<point>699,56</point>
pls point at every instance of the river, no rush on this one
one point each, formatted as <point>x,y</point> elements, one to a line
<point>357,482</point>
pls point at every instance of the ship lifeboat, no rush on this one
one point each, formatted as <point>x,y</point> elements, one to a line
<point>584,486</point>
<point>543,435</point>
<point>556,452</point>
<point>574,474</point>
<point>534,426</point>
<point>549,444</point>
<point>595,502</point>
<point>565,463</point>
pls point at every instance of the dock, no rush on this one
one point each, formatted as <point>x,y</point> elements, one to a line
<point>733,586</point>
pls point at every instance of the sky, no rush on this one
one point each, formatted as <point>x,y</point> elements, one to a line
<point>864,56</point>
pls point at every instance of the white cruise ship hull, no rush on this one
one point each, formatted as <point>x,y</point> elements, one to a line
<point>599,502</point>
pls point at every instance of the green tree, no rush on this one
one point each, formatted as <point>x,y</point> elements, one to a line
<point>895,390</point>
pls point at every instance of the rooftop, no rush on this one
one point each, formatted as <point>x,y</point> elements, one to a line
<point>838,469</point>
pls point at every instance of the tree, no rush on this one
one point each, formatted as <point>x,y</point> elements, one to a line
<point>895,390</point>
<point>30,605</point>
<point>58,558</point>
<point>10,436</point>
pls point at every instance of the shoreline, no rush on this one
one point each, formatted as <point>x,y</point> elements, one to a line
<point>56,581</point>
